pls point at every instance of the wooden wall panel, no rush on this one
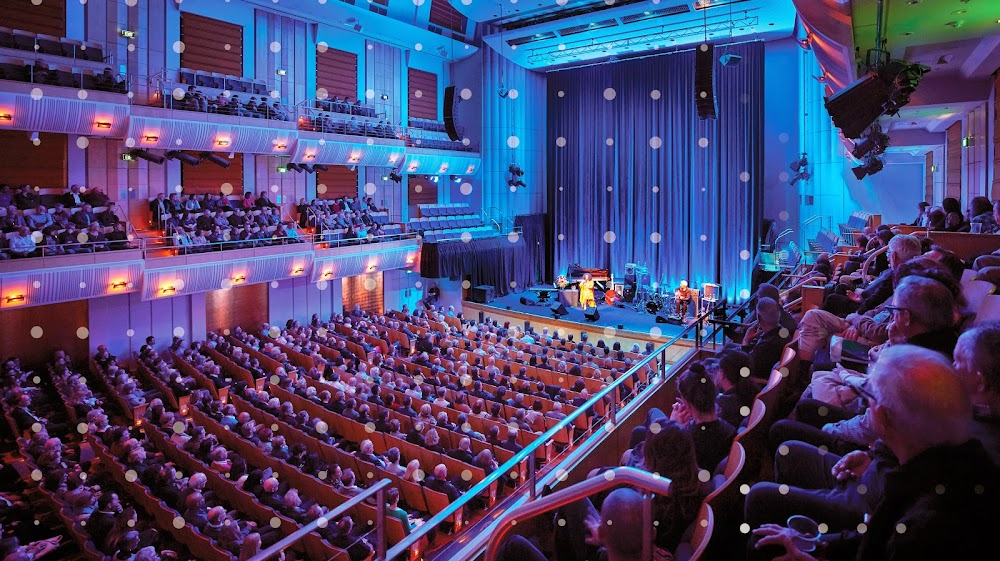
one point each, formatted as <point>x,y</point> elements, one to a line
<point>337,182</point>
<point>995,191</point>
<point>204,45</point>
<point>423,94</point>
<point>47,160</point>
<point>444,15</point>
<point>337,73</point>
<point>365,291</point>
<point>207,177</point>
<point>929,177</point>
<point>422,191</point>
<point>240,306</point>
<point>59,324</point>
<point>953,161</point>
<point>48,17</point>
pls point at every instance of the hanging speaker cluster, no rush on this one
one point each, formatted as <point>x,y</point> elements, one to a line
<point>449,114</point>
<point>704,80</point>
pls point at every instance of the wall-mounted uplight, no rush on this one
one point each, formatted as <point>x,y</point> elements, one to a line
<point>150,137</point>
<point>15,298</point>
<point>239,278</point>
<point>222,142</point>
<point>118,284</point>
<point>328,274</point>
<point>309,156</point>
<point>281,146</point>
<point>298,270</point>
<point>6,117</point>
<point>168,290</point>
<point>102,125</point>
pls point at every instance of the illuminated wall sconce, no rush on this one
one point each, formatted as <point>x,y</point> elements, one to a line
<point>239,278</point>
<point>328,274</point>
<point>6,117</point>
<point>281,146</point>
<point>354,158</point>
<point>150,137</point>
<point>168,290</point>
<point>299,270</point>
<point>118,284</point>
<point>410,259</point>
<point>470,169</point>
<point>413,167</point>
<point>102,125</point>
<point>443,169</point>
<point>15,298</point>
<point>309,156</point>
<point>222,142</point>
<point>372,267</point>
<point>392,159</point>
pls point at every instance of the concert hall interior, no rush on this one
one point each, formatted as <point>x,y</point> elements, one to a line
<point>499,280</point>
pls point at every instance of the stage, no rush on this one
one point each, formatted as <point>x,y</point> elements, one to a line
<point>637,327</point>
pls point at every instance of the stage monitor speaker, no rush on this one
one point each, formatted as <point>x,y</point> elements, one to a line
<point>663,318</point>
<point>704,80</point>
<point>591,314</point>
<point>449,114</point>
<point>525,301</point>
<point>481,294</point>
<point>558,309</point>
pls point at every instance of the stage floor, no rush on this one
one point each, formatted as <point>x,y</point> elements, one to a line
<point>635,326</point>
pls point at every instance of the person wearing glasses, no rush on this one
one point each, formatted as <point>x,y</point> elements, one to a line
<point>941,501</point>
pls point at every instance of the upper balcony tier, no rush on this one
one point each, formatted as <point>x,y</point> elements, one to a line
<point>306,133</point>
<point>143,266</point>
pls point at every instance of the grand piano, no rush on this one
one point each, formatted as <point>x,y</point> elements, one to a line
<point>575,274</point>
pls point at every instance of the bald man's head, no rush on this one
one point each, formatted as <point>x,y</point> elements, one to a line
<point>920,402</point>
<point>621,525</point>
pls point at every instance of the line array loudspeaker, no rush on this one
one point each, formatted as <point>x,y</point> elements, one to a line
<point>704,80</point>
<point>449,114</point>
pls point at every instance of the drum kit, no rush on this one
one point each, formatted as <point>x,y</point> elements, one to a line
<point>646,296</point>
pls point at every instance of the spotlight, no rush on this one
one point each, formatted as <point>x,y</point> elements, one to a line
<point>503,92</point>
<point>456,179</point>
<point>435,178</point>
<point>146,155</point>
<point>307,168</point>
<point>186,158</point>
<point>294,167</point>
<point>797,165</point>
<point>395,177</point>
<point>730,60</point>
<point>873,164</point>
<point>515,170</point>
<point>320,167</point>
<point>874,141</point>
<point>516,183</point>
<point>215,159</point>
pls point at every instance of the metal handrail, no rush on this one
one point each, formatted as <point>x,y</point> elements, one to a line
<point>307,240</point>
<point>869,261</point>
<point>653,484</point>
<point>377,489</point>
<point>528,452</point>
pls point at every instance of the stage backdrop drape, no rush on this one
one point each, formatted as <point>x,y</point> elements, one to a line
<point>636,177</point>
<point>502,262</point>
<point>536,244</point>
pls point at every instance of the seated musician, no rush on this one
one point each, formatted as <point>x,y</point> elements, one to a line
<point>683,297</point>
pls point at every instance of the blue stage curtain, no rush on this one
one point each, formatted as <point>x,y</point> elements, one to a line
<point>615,190</point>
<point>536,244</point>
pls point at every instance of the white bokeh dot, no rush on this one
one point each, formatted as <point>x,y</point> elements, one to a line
<point>783,137</point>
<point>744,254</point>
<point>610,94</point>
<point>610,237</point>
<point>36,93</point>
<point>130,333</point>
<point>513,93</point>
<point>513,237</point>
<point>465,94</point>
<point>783,215</point>
<point>465,189</point>
<point>655,237</point>
<point>744,294</point>
<point>82,142</point>
<point>655,143</point>
<point>561,93</point>
<point>561,141</point>
<point>418,47</point>
<point>178,47</point>
<point>513,141</point>
<point>703,142</point>
<point>783,176</point>
<point>744,176</point>
<point>322,46</point>
<point>655,333</point>
<point>82,333</point>
<point>656,188</point>
<point>609,141</point>
<point>655,94</point>
<point>37,332</point>
<point>369,188</point>
<point>275,47</point>
<point>466,237</point>
<point>82,94</point>
<point>561,237</point>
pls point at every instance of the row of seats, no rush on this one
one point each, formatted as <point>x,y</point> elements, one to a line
<point>442,222</point>
<point>445,209</point>
<point>346,106</point>
<point>440,144</point>
<point>50,45</point>
<point>337,124</point>
<point>61,75</point>
<point>427,125</point>
<point>225,82</point>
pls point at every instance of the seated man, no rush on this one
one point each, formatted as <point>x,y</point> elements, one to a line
<point>940,503</point>
<point>439,482</point>
<point>40,220</point>
<point>765,340</point>
<point>23,244</point>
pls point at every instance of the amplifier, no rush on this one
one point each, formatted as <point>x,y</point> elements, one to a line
<point>482,294</point>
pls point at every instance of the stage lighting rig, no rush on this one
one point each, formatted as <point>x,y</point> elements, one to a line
<point>800,167</point>
<point>215,159</point>
<point>146,155</point>
<point>874,141</point>
<point>320,167</point>
<point>873,164</point>
<point>516,183</point>
<point>515,169</point>
<point>186,158</point>
<point>395,177</point>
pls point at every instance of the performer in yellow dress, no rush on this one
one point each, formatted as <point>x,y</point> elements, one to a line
<point>587,292</point>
